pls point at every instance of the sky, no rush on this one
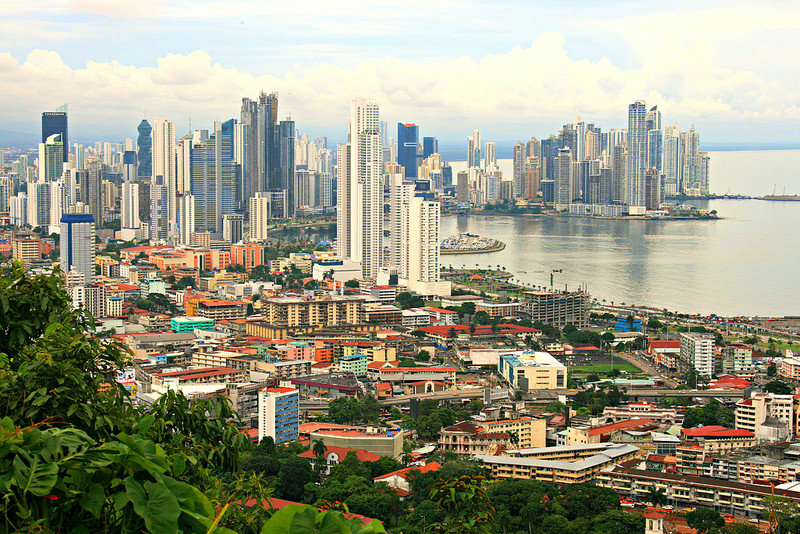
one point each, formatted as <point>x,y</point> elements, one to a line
<point>513,69</point>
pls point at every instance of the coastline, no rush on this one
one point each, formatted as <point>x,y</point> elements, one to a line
<point>576,216</point>
<point>496,248</point>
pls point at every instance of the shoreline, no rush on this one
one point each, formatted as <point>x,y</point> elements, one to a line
<point>575,216</point>
<point>496,248</point>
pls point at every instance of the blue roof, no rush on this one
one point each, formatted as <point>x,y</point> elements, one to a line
<point>77,218</point>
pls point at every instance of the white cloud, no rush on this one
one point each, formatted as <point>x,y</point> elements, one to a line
<point>507,92</point>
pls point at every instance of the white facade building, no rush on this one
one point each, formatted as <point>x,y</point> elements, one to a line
<point>697,352</point>
<point>164,163</point>
<point>259,216</point>
<point>360,206</point>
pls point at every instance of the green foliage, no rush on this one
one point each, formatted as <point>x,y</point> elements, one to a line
<point>293,475</point>
<point>308,519</point>
<point>772,369</point>
<point>351,283</point>
<point>407,362</point>
<point>407,300</point>
<point>778,387</point>
<point>704,520</point>
<point>27,306</point>
<point>344,410</point>
<point>466,504</point>
<point>596,400</point>
<point>712,413</point>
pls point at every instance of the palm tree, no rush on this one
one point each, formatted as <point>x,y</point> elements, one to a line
<point>656,495</point>
<point>319,449</point>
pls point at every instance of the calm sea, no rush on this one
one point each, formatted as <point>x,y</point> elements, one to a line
<point>745,264</point>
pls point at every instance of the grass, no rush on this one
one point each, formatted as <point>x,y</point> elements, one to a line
<point>781,345</point>
<point>603,368</point>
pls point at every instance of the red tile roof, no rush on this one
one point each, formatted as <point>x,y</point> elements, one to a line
<point>403,473</point>
<point>280,390</point>
<point>630,423</point>
<point>419,370</point>
<point>716,431</point>
<point>665,343</point>
<point>383,386</point>
<point>341,452</point>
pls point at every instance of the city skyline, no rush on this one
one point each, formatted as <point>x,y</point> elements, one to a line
<point>588,61</point>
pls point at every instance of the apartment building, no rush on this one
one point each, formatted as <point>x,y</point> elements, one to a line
<point>529,431</point>
<point>576,467</point>
<point>697,352</point>
<point>769,416</point>
<point>558,308</point>
<point>278,414</point>
<point>322,311</point>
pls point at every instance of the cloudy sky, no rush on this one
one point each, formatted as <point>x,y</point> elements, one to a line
<point>511,68</point>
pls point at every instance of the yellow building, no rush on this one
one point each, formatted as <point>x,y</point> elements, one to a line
<point>531,432</point>
<point>323,311</point>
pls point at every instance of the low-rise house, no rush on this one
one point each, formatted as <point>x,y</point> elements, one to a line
<point>401,479</point>
<point>334,455</point>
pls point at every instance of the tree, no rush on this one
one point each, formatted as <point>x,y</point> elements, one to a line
<point>772,369</point>
<point>319,449</point>
<point>712,413</point>
<point>297,518</point>
<point>468,308</point>
<point>370,409</point>
<point>705,520</point>
<point>293,475</point>
<point>466,503</point>
<point>654,323</point>
<point>184,282</point>
<point>344,410</point>
<point>407,362</point>
<point>351,283</point>
<point>423,355</point>
<point>656,495</point>
<point>778,387</point>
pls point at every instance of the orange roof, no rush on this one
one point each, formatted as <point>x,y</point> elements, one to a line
<point>383,386</point>
<point>280,390</point>
<point>476,277</point>
<point>403,473</point>
<point>341,452</point>
<point>419,370</point>
<point>630,423</point>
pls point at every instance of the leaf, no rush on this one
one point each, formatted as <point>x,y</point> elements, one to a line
<point>94,500</point>
<point>290,520</point>
<point>155,504</point>
<point>144,424</point>
<point>31,475</point>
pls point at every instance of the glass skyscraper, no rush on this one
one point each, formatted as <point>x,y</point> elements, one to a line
<point>407,147</point>
<point>55,122</point>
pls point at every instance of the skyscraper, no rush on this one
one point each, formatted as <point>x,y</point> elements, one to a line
<point>130,205</point>
<point>430,145</point>
<point>259,216</point>
<point>690,150</point>
<point>637,153</point>
<point>225,171</point>
<point>671,166</point>
<point>490,156</point>
<point>77,247</point>
<point>55,122</point>
<point>204,180</point>
<point>94,188</point>
<point>144,144</point>
<point>519,170</point>
<point>50,163</point>
<point>232,227</point>
<point>159,217</point>
<point>285,164</point>
<point>474,149</point>
<point>408,147</point>
<point>268,143</point>
<point>423,242</point>
<point>164,166</point>
<point>360,212</point>
<point>563,177</point>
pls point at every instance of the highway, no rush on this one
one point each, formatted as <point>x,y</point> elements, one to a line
<point>322,405</point>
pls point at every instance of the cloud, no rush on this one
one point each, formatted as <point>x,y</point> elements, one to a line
<point>512,94</point>
<point>118,8</point>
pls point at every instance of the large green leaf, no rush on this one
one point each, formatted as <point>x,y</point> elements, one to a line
<point>155,504</point>
<point>94,500</point>
<point>33,475</point>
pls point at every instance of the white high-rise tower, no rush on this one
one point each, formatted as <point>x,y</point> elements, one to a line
<point>637,153</point>
<point>164,161</point>
<point>360,211</point>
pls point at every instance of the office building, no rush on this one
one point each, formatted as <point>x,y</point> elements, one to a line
<point>144,168</point>
<point>519,170</point>
<point>430,145</point>
<point>77,247</point>
<point>50,163</point>
<point>530,371</point>
<point>203,180</point>
<point>286,166</point>
<point>408,148</point>
<point>697,352</point>
<point>637,153</point>
<point>278,414</point>
<point>225,173</point>
<point>360,190</point>
<point>55,123</point>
